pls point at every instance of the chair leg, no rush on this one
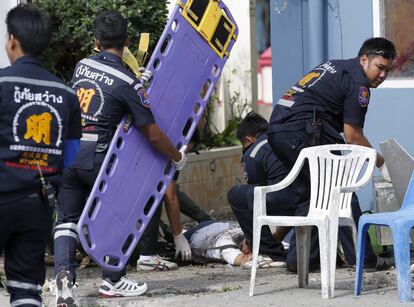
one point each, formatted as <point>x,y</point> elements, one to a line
<point>257,227</point>
<point>402,262</point>
<point>328,242</point>
<point>354,237</point>
<point>360,256</point>
<point>303,234</point>
<point>323,251</point>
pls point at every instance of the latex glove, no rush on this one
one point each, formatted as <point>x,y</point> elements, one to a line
<point>182,247</point>
<point>179,165</point>
<point>384,172</point>
<point>146,74</point>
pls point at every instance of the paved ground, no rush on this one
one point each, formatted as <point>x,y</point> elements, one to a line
<point>222,285</point>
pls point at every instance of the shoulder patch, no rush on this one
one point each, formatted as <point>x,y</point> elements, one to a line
<point>143,95</point>
<point>363,97</point>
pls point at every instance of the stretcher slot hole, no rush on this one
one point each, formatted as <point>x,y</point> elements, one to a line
<point>148,206</point>
<point>174,26</point>
<point>119,143</point>
<point>168,168</point>
<point>160,186</point>
<point>92,208</point>
<point>205,89</point>
<point>156,64</point>
<point>215,71</point>
<point>85,232</point>
<point>179,145</point>
<point>139,224</point>
<point>102,186</point>
<point>111,260</point>
<point>187,126</point>
<point>111,164</point>
<point>165,45</point>
<point>197,108</point>
<point>127,244</point>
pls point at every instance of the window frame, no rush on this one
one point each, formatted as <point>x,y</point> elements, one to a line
<point>388,83</point>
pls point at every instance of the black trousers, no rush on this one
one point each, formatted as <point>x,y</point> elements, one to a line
<point>284,202</point>
<point>24,230</point>
<point>287,146</point>
<point>76,186</point>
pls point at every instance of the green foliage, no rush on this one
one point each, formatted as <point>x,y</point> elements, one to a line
<point>72,20</point>
<point>210,137</point>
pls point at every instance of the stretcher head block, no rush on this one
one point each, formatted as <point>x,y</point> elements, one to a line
<point>208,19</point>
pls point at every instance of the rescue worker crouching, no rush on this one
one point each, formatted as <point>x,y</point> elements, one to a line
<point>336,95</point>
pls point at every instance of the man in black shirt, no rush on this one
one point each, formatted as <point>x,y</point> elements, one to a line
<point>106,91</point>
<point>262,167</point>
<point>40,128</point>
<point>331,99</point>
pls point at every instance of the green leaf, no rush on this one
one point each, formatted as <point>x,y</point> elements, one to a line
<point>72,21</point>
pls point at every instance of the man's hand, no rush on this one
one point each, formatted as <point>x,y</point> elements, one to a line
<point>146,74</point>
<point>127,124</point>
<point>179,165</point>
<point>182,247</point>
<point>384,172</point>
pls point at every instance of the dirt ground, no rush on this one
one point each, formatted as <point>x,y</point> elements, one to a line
<point>224,285</point>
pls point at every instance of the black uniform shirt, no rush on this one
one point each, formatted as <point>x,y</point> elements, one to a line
<point>337,90</point>
<point>106,91</point>
<point>38,113</point>
<point>260,164</point>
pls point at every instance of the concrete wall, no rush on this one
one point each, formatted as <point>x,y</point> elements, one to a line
<point>346,24</point>
<point>208,177</point>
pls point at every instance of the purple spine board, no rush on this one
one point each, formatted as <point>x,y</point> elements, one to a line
<point>128,194</point>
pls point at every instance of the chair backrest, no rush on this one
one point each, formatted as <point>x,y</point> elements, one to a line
<point>409,194</point>
<point>338,165</point>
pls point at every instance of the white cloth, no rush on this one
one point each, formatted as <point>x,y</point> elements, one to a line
<point>206,241</point>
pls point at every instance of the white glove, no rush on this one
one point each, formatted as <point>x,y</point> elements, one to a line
<point>384,172</point>
<point>179,165</point>
<point>145,74</point>
<point>182,247</point>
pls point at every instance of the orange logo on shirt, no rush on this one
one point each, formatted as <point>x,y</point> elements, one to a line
<point>308,78</point>
<point>85,98</point>
<point>38,128</point>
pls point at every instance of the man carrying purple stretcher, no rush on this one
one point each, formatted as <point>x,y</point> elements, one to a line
<point>106,91</point>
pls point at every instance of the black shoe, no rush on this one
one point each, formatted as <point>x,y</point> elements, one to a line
<point>292,267</point>
<point>381,264</point>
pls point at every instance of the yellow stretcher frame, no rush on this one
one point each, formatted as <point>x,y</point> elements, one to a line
<point>208,19</point>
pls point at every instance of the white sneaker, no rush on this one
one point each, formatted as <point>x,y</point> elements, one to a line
<point>124,287</point>
<point>156,263</point>
<point>265,262</point>
<point>64,286</point>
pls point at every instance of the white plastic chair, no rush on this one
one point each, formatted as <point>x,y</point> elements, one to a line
<point>335,174</point>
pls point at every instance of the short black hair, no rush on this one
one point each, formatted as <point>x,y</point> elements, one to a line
<point>110,28</point>
<point>378,46</point>
<point>252,125</point>
<point>31,27</point>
